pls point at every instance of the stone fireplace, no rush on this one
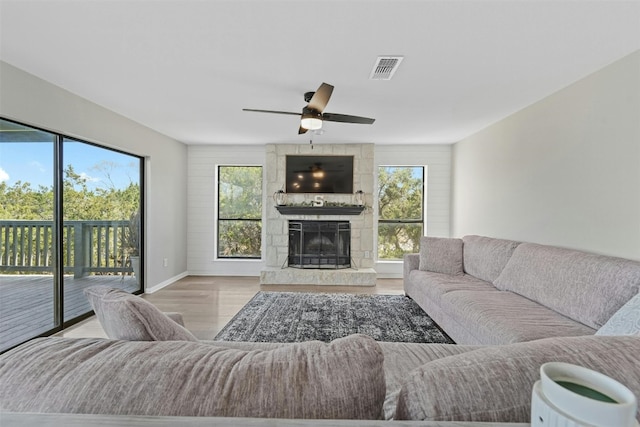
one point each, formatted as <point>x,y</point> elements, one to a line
<point>359,271</point>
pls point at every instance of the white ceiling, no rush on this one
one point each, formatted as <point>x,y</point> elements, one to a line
<point>186,68</point>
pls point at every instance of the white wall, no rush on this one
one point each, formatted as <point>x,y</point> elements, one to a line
<point>30,100</point>
<point>203,161</point>
<point>564,171</point>
<point>437,160</point>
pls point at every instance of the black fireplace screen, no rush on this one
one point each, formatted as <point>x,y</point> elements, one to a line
<point>319,244</point>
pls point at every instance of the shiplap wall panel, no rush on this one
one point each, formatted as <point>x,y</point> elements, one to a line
<point>203,161</point>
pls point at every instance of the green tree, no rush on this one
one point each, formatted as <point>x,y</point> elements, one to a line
<point>400,206</point>
<point>110,203</point>
<point>22,201</point>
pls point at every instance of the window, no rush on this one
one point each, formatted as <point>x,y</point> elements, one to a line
<point>239,211</point>
<point>400,210</point>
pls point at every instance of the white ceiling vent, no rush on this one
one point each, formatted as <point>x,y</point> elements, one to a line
<point>385,67</point>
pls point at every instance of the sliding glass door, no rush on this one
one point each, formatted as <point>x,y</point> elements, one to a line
<point>28,296</point>
<point>70,217</point>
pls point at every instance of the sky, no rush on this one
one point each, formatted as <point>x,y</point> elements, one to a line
<point>32,162</point>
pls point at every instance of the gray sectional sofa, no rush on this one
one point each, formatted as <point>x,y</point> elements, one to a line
<point>416,384</point>
<point>538,303</point>
<point>486,291</point>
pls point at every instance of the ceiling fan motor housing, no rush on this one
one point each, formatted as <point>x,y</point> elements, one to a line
<point>308,96</point>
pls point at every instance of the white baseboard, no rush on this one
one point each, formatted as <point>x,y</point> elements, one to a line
<point>166,283</point>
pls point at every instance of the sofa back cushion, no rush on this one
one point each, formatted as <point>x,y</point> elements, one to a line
<point>342,379</point>
<point>494,384</point>
<point>585,287</point>
<point>441,255</point>
<point>129,317</point>
<point>486,257</point>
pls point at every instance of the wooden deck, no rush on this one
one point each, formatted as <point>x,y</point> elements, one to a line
<point>27,301</point>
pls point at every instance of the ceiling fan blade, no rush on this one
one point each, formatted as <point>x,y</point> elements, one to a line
<point>302,130</point>
<point>345,118</point>
<point>271,111</point>
<point>320,99</point>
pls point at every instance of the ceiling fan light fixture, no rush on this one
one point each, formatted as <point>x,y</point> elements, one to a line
<point>311,121</point>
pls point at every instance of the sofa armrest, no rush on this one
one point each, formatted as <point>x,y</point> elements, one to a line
<point>494,384</point>
<point>410,262</point>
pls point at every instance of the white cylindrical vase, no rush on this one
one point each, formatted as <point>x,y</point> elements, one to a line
<point>573,396</point>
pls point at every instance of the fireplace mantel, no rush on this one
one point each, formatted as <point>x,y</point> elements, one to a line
<point>320,210</point>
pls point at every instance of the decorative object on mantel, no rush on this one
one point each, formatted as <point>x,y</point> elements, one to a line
<point>360,198</point>
<point>280,197</point>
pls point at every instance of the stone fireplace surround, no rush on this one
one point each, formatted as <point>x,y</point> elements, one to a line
<point>277,225</point>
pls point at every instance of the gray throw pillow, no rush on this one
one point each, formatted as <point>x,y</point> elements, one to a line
<point>441,255</point>
<point>626,321</point>
<point>124,316</point>
<point>342,379</point>
<point>486,257</point>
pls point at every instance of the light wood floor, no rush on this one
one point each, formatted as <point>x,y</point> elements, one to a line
<point>207,303</point>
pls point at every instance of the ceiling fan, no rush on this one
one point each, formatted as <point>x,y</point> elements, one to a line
<point>312,115</point>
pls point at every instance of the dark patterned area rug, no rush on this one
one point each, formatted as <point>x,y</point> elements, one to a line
<point>296,316</point>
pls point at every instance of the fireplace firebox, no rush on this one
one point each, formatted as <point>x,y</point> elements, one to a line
<point>319,244</point>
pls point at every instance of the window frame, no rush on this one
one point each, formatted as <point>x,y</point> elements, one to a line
<point>218,219</point>
<point>423,209</point>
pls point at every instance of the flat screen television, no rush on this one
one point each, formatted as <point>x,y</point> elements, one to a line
<point>319,174</point>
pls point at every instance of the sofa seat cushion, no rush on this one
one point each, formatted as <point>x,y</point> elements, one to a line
<point>494,384</point>
<point>124,316</point>
<point>586,287</point>
<point>399,359</point>
<point>434,285</point>
<point>502,317</point>
<point>486,257</point>
<point>342,379</point>
<point>441,255</point>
